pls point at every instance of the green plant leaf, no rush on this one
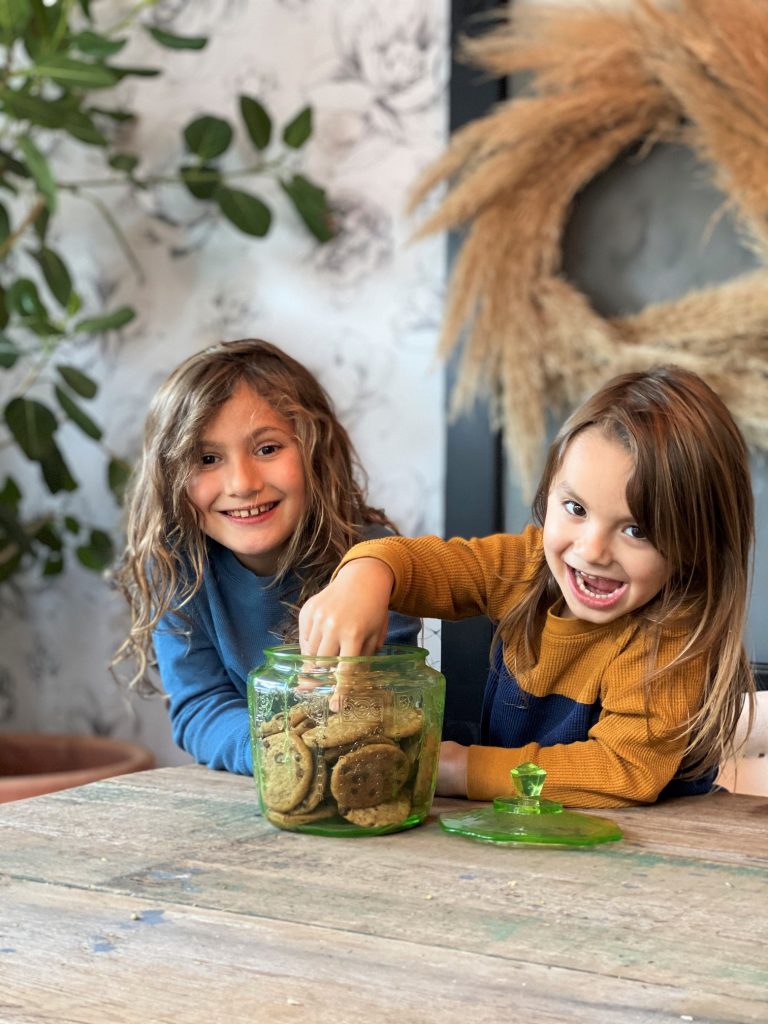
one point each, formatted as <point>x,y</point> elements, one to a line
<point>54,564</point>
<point>201,180</point>
<point>5,223</point>
<point>81,127</point>
<point>48,534</point>
<point>3,308</point>
<point>248,213</point>
<point>43,327</point>
<point>208,137</point>
<point>136,72</point>
<point>121,116</point>
<point>174,42</point>
<point>257,121</point>
<point>55,273</point>
<point>74,74</point>
<point>96,45</point>
<point>297,131</point>
<point>80,383</point>
<point>124,162</point>
<point>118,474</point>
<point>85,7</point>
<point>23,298</point>
<point>74,304</point>
<point>311,205</point>
<point>14,15</point>
<point>46,114</point>
<point>41,223</point>
<point>40,171</point>
<point>8,162</point>
<point>12,527</point>
<point>109,322</point>
<point>98,553</point>
<point>9,564</point>
<point>33,426</point>
<point>45,31</point>
<point>76,414</point>
<point>10,494</point>
<point>56,472</point>
<point>71,525</point>
<point>9,353</point>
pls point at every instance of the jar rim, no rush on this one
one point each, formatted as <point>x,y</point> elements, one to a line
<point>387,653</point>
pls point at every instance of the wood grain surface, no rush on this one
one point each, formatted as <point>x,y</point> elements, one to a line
<point>165,897</point>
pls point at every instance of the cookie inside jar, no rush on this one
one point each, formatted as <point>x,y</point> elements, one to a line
<point>356,755</point>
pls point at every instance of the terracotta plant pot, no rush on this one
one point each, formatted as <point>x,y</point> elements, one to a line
<point>36,763</point>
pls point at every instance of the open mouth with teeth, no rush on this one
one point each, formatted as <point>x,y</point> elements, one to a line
<point>596,591</point>
<point>255,512</point>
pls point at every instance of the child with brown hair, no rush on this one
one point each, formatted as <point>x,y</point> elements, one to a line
<point>618,663</point>
<point>246,496</point>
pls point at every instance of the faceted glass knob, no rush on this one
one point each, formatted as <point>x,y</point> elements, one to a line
<point>528,779</point>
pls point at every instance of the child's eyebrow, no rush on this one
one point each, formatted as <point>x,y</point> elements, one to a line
<point>267,431</point>
<point>259,432</point>
<point>563,487</point>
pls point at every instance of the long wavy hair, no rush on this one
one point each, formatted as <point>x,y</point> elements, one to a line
<point>691,494</point>
<point>165,556</point>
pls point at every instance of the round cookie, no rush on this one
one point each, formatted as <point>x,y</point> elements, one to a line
<point>368,776</point>
<point>294,818</point>
<point>392,812</point>
<point>317,787</point>
<point>400,722</point>
<point>285,763</point>
<point>297,715</point>
<point>332,754</point>
<point>338,731</point>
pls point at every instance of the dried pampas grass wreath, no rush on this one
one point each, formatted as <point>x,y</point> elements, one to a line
<point>603,78</point>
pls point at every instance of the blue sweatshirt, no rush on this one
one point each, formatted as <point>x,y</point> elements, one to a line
<point>204,660</point>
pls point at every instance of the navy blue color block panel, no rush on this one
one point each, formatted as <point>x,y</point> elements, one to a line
<point>511,717</point>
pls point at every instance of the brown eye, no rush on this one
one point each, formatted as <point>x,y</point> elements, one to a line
<point>573,508</point>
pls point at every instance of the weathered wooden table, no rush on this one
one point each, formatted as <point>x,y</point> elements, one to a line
<point>164,897</point>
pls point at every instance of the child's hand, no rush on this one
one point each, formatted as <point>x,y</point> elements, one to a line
<point>452,769</point>
<point>348,617</point>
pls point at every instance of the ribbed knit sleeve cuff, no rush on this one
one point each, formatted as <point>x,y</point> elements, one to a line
<point>386,550</point>
<point>488,769</point>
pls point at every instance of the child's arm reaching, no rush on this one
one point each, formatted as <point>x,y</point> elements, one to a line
<point>348,617</point>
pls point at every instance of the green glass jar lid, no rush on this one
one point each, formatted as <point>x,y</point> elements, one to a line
<point>526,818</point>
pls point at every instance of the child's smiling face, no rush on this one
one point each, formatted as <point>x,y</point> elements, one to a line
<point>249,487</point>
<point>598,555</point>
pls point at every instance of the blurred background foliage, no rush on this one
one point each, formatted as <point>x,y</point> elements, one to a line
<point>58,67</point>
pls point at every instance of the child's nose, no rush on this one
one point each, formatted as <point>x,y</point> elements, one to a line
<point>594,546</point>
<point>244,477</point>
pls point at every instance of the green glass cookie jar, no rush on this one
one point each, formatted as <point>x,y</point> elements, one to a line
<point>346,746</point>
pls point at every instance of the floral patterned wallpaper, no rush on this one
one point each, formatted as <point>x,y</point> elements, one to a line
<point>362,311</point>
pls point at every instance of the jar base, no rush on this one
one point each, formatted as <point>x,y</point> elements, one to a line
<point>340,828</point>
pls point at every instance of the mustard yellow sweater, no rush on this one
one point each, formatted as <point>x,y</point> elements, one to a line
<point>580,712</point>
